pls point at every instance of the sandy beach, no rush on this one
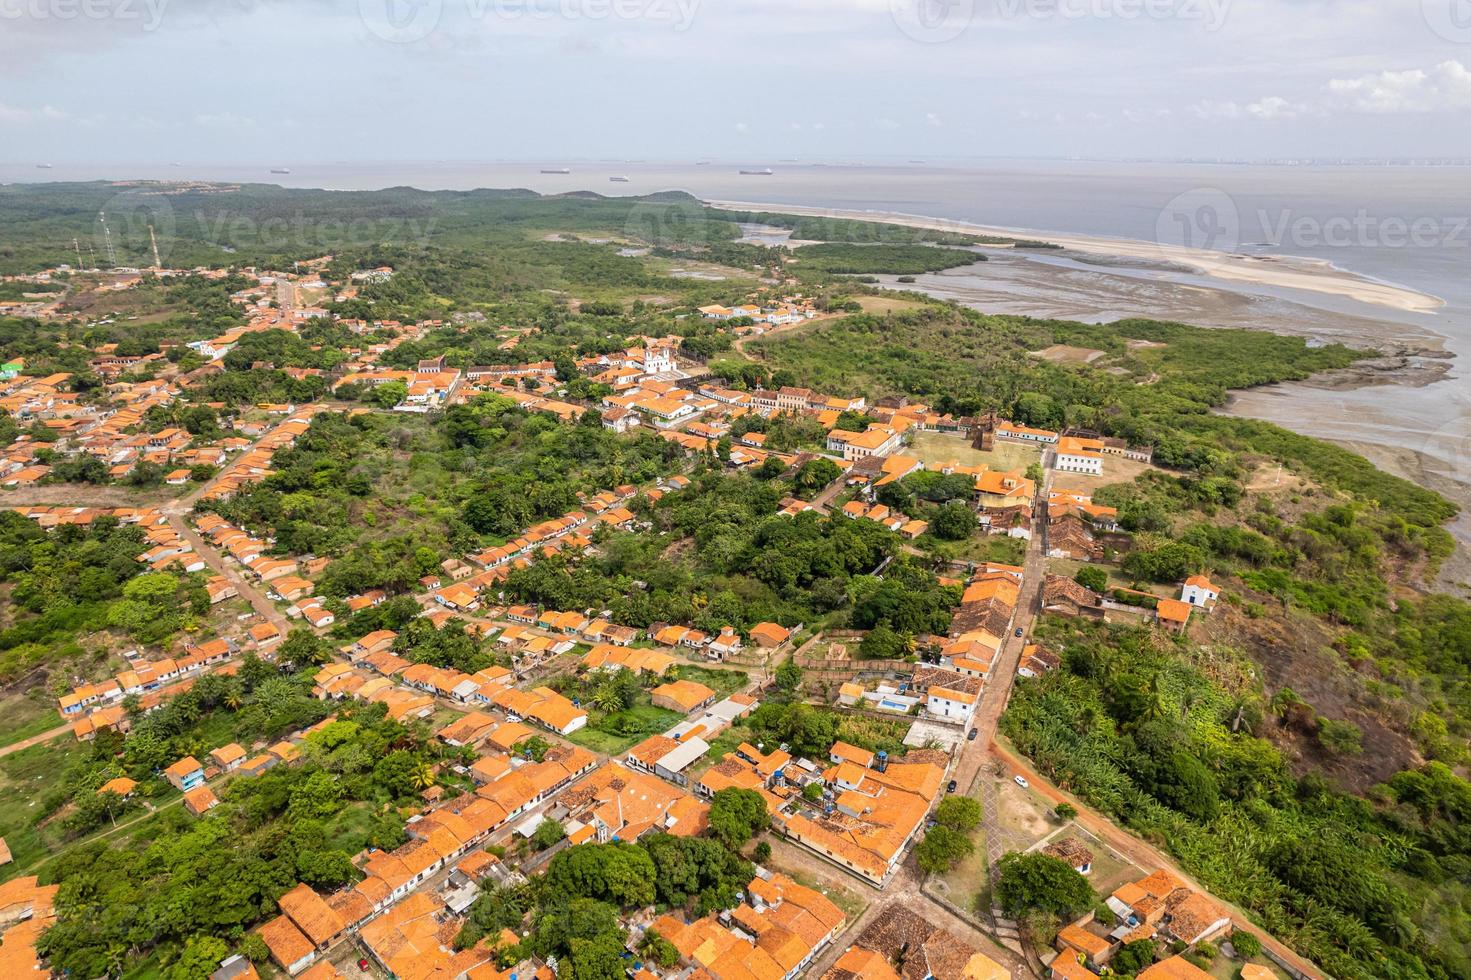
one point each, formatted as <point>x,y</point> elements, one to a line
<point>1285,272</point>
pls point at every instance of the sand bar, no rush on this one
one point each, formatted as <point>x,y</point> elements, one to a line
<point>1282,271</point>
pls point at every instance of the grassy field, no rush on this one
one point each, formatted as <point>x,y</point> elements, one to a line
<point>985,547</point>
<point>940,447</point>
<point>24,715</point>
<point>1068,567</point>
<point>723,682</point>
<point>616,733</point>
<point>970,878</point>
<point>25,779</point>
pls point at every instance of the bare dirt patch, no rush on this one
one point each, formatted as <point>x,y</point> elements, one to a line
<point>887,304</point>
<point>941,447</point>
<point>1064,354</point>
<point>1116,469</point>
<point>1295,650</point>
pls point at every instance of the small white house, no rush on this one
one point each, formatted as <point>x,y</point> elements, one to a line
<point>1198,591</point>
<point>952,705</point>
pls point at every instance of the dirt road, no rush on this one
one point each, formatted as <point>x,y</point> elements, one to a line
<point>35,740</point>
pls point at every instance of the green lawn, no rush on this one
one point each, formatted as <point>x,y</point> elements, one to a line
<point>22,716</point>
<point>26,777</point>
<point>723,682</point>
<point>969,878</point>
<point>616,733</point>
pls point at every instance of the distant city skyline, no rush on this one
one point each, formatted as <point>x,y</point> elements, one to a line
<point>140,82</point>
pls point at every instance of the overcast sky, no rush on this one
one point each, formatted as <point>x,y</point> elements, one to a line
<point>262,81</point>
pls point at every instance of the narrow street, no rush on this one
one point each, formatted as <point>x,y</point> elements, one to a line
<point>996,693</point>
<point>249,592</point>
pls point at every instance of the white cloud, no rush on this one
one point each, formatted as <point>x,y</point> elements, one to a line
<point>224,120</point>
<point>20,114</point>
<point>1444,87</point>
<point>1268,108</point>
<point>933,120</point>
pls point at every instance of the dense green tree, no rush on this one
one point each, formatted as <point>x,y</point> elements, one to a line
<point>1036,882</point>
<point>618,873</point>
<point>961,813</point>
<point>737,815</point>
<point>942,849</point>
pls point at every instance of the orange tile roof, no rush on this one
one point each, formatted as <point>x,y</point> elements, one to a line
<point>287,944</point>
<point>311,914</point>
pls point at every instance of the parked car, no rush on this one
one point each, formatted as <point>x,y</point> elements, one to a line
<point>951,787</point>
<point>363,964</point>
<point>973,733</point>
<point>1021,781</point>
<point>1018,631</point>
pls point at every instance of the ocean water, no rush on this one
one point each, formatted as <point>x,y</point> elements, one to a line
<point>1405,225</point>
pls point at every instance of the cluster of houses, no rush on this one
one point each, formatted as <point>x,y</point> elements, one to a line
<point>27,909</point>
<point>773,935</point>
<point>1158,907</point>
<point>790,309</point>
<point>949,690</point>
<point>108,428</point>
<point>900,943</point>
<point>95,428</point>
<point>383,907</point>
<point>869,811</point>
<point>1066,597</point>
<point>281,576</point>
<point>255,465</point>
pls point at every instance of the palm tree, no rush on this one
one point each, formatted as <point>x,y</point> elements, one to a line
<point>1188,700</point>
<point>608,698</point>
<point>423,776</point>
<point>117,959</point>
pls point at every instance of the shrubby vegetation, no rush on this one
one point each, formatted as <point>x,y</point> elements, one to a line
<point>721,555</point>
<point>76,580</point>
<point>575,906</point>
<point>179,878</point>
<point>839,258</point>
<point>1365,890</point>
